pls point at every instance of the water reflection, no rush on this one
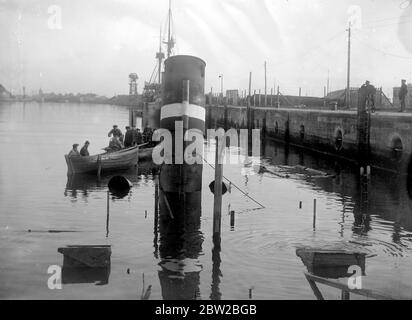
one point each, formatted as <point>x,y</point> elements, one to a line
<point>180,245</point>
<point>216,274</point>
<point>381,206</point>
<point>84,184</point>
<point>384,194</point>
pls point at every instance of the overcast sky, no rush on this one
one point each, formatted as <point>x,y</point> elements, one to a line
<point>100,42</point>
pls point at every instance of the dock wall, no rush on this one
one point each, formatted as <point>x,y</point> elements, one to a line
<point>326,131</point>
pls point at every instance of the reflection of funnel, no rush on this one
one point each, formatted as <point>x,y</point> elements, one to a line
<point>86,264</point>
<point>331,263</point>
<point>180,244</point>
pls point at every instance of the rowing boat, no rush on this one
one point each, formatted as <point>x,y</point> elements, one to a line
<point>108,161</point>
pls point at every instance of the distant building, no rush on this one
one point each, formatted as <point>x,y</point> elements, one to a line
<point>408,100</point>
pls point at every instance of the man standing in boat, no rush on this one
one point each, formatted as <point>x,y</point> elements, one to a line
<point>115,144</point>
<point>84,150</point>
<point>138,138</point>
<point>128,138</point>
<point>115,132</point>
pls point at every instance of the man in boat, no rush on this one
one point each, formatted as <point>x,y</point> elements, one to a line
<point>147,134</point>
<point>128,138</point>
<point>115,144</point>
<point>138,138</point>
<point>84,150</point>
<point>116,132</point>
<point>74,152</point>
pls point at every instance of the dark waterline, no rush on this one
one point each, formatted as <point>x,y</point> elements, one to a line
<point>258,253</point>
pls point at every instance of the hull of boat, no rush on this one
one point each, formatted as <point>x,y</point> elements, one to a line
<point>110,161</point>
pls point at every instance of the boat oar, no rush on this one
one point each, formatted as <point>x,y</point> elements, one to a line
<point>143,144</point>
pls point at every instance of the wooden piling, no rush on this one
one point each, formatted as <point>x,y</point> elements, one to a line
<point>248,108</point>
<point>107,213</point>
<point>314,214</point>
<point>99,166</point>
<point>232,220</point>
<point>217,207</point>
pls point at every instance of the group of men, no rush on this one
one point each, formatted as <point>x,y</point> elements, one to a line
<point>132,137</point>
<point>118,141</point>
<point>84,151</point>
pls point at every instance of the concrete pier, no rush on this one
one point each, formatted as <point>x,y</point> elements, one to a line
<point>326,131</point>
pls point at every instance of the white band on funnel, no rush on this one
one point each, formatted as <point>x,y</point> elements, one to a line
<point>182,109</point>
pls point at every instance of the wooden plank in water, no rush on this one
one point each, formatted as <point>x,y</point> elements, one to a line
<point>345,289</point>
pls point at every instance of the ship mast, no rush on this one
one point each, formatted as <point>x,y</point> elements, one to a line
<point>160,56</point>
<point>170,42</point>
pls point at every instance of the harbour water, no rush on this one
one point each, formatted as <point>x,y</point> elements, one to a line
<point>258,255</point>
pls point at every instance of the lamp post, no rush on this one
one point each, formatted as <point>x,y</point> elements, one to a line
<point>221,85</point>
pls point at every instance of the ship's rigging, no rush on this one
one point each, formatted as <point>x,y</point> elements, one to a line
<point>153,86</point>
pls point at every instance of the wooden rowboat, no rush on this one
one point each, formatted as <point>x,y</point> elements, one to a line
<point>108,161</point>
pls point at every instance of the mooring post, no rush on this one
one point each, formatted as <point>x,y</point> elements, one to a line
<point>232,220</point>
<point>314,214</point>
<point>217,207</point>
<point>107,213</point>
<point>99,166</point>
<point>248,108</point>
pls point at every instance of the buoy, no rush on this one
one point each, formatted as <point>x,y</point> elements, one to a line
<point>212,187</point>
<point>119,186</point>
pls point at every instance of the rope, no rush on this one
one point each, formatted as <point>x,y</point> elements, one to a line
<point>233,184</point>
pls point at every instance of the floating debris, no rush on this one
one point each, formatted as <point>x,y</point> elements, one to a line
<point>94,256</point>
<point>331,263</point>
